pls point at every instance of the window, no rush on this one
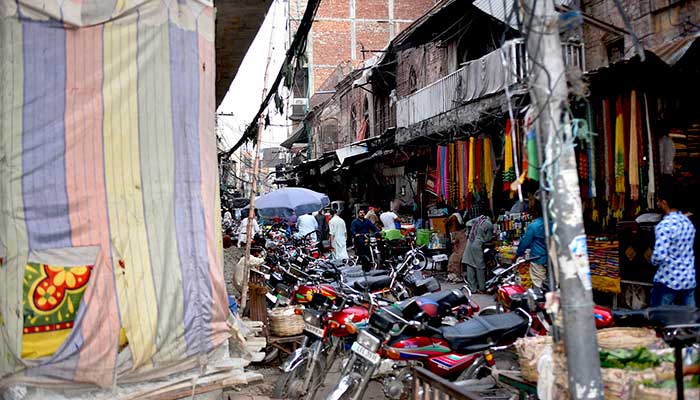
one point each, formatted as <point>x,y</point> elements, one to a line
<point>615,48</point>
<point>353,120</point>
<point>412,79</point>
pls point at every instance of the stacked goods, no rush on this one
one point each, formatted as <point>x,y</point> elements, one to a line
<point>666,389</point>
<point>627,338</point>
<point>285,322</point>
<point>529,350</point>
<point>507,254</point>
<point>603,256</point>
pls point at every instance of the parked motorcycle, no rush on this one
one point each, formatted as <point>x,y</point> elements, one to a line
<point>512,295</point>
<point>463,351</point>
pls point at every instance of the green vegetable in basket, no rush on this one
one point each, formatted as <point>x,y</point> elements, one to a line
<point>692,383</point>
<point>637,359</point>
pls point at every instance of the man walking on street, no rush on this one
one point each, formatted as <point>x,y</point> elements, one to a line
<point>306,224</point>
<point>338,234</point>
<point>673,255</point>
<point>480,231</point>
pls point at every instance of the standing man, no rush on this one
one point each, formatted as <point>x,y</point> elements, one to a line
<point>322,225</point>
<point>373,215</point>
<point>243,227</point>
<point>673,255</point>
<point>534,239</point>
<point>338,234</point>
<point>307,224</point>
<point>361,226</point>
<point>389,219</point>
<point>480,231</point>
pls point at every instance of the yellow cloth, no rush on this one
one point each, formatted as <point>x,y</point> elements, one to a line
<point>619,148</point>
<point>633,164</point>
<point>488,169</point>
<point>472,165</point>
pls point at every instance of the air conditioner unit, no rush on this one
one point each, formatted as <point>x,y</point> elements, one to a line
<point>299,107</point>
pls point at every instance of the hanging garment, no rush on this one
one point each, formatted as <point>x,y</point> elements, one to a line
<point>472,165</point>
<point>488,166</point>
<point>591,153</point>
<point>583,170</point>
<point>633,163</point>
<point>651,187</point>
<point>479,168</point>
<point>508,168</point>
<point>606,148</point>
<point>667,152</point>
<point>465,173</point>
<point>441,184</point>
<point>619,148</point>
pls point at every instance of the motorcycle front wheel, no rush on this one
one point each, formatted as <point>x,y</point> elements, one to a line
<point>291,384</point>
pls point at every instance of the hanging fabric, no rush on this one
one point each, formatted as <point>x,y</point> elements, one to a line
<point>651,188</point>
<point>442,173</point>
<point>488,166</point>
<point>633,163</point>
<point>478,152</point>
<point>606,148</point>
<point>508,168</point>
<point>619,147</point>
<point>583,170</point>
<point>472,166</point>
<point>591,153</point>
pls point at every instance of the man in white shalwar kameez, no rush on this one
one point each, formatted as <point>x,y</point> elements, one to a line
<point>339,236</point>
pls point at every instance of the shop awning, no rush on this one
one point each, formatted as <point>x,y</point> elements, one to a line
<point>351,151</point>
<point>299,136</point>
<point>673,51</point>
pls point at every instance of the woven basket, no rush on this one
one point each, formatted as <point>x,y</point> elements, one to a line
<point>284,322</point>
<point>529,350</point>
<point>625,338</point>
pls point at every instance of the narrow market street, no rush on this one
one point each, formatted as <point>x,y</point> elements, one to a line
<point>349,199</point>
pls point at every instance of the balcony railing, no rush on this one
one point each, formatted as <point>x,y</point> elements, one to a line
<point>476,79</point>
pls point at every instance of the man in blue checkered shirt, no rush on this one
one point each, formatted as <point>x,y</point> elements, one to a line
<point>673,255</point>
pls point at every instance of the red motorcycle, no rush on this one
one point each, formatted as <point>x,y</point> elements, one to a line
<point>464,351</point>
<point>512,295</point>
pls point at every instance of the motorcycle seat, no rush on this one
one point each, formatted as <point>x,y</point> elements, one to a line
<point>359,273</point>
<point>479,333</point>
<point>659,316</point>
<point>372,283</point>
<point>452,298</point>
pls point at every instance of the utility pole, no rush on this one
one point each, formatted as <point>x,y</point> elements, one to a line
<point>547,83</point>
<point>254,179</point>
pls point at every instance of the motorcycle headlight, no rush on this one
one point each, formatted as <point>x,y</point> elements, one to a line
<point>312,318</point>
<point>368,341</point>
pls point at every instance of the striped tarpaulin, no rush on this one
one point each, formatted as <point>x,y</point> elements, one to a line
<point>107,143</point>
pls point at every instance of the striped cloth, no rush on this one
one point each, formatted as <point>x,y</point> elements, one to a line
<point>108,159</point>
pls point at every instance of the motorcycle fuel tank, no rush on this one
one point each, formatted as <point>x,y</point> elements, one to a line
<point>506,292</point>
<point>417,347</point>
<point>451,364</point>
<point>603,317</point>
<point>356,315</point>
<point>304,293</point>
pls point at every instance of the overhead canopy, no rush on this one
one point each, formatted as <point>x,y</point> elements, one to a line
<point>237,23</point>
<point>299,136</point>
<point>353,150</point>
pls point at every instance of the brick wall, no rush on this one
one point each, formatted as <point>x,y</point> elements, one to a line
<point>654,21</point>
<point>332,31</point>
<point>429,63</point>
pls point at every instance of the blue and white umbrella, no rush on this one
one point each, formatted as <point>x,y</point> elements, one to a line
<point>290,200</point>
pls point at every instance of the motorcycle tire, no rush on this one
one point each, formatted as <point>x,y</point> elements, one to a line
<point>289,384</point>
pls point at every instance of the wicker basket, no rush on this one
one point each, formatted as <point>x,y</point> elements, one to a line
<point>625,338</point>
<point>284,322</point>
<point>529,350</point>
